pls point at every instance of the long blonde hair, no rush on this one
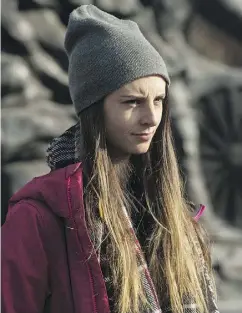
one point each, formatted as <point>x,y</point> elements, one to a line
<point>176,244</point>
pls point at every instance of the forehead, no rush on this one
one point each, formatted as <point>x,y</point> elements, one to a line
<point>145,85</point>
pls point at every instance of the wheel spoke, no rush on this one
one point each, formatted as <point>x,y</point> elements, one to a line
<point>235,111</point>
<point>209,151</point>
<point>212,167</point>
<point>211,138</point>
<point>216,109</point>
<point>205,155</point>
<point>230,212</point>
<point>221,197</point>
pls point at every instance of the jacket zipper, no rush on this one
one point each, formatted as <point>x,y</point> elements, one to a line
<point>93,294</point>
<point>89,270</point>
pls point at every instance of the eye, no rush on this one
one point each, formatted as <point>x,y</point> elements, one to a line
<point>159,100</point>
<point>132,102</point>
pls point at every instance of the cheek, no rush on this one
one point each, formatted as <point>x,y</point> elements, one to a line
<point>159,114</point>
<point>117,124</point>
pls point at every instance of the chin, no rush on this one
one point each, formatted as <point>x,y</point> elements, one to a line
<point>141,149</point>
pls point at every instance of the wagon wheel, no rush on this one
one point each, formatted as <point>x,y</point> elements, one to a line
<point>220,126</point>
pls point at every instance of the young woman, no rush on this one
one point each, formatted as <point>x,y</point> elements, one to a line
<point>108,229</point>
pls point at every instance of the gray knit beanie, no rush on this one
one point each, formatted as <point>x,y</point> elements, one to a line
<point>104,54</point>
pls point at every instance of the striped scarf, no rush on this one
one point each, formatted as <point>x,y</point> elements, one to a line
<point>63,151</point>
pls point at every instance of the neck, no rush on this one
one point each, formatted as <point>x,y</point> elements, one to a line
<point>123,169</point>
<point>118,157</point>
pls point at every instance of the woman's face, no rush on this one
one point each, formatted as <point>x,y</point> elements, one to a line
<point>132,115</point>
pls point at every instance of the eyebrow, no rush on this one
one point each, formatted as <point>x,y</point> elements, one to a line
<point>162,95</point>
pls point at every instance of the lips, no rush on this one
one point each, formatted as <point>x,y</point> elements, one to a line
<point>145,136</point>
<point>144,133</point>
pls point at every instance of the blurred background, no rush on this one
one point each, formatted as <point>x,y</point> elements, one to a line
<point>201,42</point>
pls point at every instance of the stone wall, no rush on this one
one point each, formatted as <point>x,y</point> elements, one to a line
<point>201,42</point>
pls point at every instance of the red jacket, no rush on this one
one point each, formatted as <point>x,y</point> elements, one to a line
<point>46,248</point>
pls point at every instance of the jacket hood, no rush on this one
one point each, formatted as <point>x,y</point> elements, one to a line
<point>51,189</point>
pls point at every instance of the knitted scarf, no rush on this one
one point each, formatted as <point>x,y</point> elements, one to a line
<point>63,151</point>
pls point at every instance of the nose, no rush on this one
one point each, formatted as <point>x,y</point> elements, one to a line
<point>150,116</point>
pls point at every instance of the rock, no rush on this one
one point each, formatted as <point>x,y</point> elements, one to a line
<point>47,26</point>
<point>39,122</point>
<point>67,6</point>
<point>171,15</point>
<point>20,33</point>
<point>229,276</point>
<point>17,32</point>
<point>9,6</point>
<point>14,176</point>
<point>15,74</point>
<point>31,151</point>
<point>33,4</point>
<point>123,8</point>
<point>232,265</point>
<point>33,93</point>
<point>20,173</point>
<point>49,32</point>
<point>77,3</point>
<point>226,10</point>
<point>213,42</point>
<point>50,74</point>
<point>19,86</point>
<point>146,21</point>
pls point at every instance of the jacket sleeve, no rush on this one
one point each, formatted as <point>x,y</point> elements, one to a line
<point>24,261</point>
